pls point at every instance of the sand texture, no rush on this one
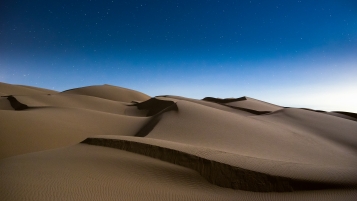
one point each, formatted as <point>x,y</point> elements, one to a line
<point>110,143</point>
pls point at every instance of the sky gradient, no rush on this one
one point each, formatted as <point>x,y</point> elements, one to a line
<point>293,53</point>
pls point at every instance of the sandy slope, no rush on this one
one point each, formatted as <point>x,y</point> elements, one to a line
<point>202,126</point>
<point>47,128</point>
<point>110,92</point>
<point>74,101</point>
<point>207,103</point>
<point>85,172</point>
<point>10,89</point>
<point>5,104</point>
<point>254,104</point>
<point>61,119</point>
<point>283,142</point>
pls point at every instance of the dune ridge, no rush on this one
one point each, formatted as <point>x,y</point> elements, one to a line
<point>225,100</point>
<point>11,89</point>
<point>350,115</point>
<point>245,104</point>
<point>215,172</point>
<point>109,92</point>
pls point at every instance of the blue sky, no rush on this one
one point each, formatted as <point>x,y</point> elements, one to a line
<point>292,53</point>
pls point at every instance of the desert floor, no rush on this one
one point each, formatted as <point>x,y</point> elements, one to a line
<point>111,143</point>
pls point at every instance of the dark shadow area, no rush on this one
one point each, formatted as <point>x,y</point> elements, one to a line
<point>350,114</point>
<point>217,173</point>
<point>16,104</point>
<point>320,111</point>
<point>225,100</point>
<point>155,109</point>
<point>155,106</point>
<point>148,127</point>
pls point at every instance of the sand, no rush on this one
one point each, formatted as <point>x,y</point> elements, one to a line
<point>111,143</point>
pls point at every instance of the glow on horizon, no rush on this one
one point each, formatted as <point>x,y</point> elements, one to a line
<point>322,85</point>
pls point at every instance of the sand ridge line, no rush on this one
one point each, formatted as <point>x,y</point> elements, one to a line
<point>11,89</point>
<point>227,101</point>
<point>109,92</point>
<point>206,103</point>
<point>353,116</point>
<point>215,172</point>
<point>245,103</point>
<point>256,112</point>
<point>345,115</point>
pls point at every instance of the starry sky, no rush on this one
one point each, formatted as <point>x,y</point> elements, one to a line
<point>298,53</point>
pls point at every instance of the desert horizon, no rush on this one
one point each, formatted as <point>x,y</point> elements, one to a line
<point>178,100</point>
<point>112,143</point>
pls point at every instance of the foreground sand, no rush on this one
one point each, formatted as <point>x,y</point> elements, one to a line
<point>169,148</point>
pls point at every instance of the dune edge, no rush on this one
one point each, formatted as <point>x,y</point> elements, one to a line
<point>217,173</point>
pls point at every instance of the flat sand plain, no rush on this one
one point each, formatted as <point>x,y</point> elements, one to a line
<point>111,143</point>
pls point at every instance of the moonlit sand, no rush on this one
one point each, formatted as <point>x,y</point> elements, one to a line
<point>110,143</point>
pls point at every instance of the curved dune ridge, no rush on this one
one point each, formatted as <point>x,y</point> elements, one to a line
<point>235,143</point>
<point>246,104</point>
<point>10,89</point>
<point>110,92</point>
<point>215,172</point>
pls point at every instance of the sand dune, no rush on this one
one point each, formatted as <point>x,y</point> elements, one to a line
<point>110,92</point>
<point>10,89</point>
<point>85,172</point>
<point>168,147</point>
<point>345,115</point>
<point>47,128</point>
<point>73,101</point>
<point>245,102</point>
<point>208,104</point>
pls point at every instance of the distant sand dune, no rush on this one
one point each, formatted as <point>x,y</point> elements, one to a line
<point>246,104</point>
<point>207,103</point>
<point>346,115</point>
<point>334,129</point>
<point>110,92</point>
<point>73,101</point>
<point>10,89</point>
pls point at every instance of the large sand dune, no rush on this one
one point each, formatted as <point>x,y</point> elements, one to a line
<point>169,148</point>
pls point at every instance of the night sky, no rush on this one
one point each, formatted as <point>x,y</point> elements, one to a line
<point>299,53</point>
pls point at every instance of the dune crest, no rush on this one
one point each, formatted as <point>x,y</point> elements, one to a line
<point>11,89</point>
<point>109,92</point>
<point>215,172</point>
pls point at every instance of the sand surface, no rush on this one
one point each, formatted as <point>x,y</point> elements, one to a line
<point>135,147</point>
